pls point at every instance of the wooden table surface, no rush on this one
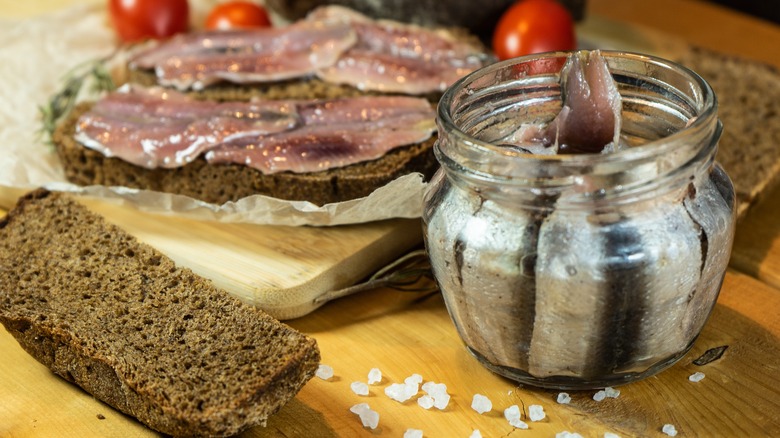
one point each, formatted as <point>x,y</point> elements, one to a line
<point>404,333</point>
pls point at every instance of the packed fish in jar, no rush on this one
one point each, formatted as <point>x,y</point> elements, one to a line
<point>558,291</point>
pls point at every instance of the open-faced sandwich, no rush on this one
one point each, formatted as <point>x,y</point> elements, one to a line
<point>325,109</point>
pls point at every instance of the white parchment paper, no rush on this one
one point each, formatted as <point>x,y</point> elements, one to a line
<point>35,54</point>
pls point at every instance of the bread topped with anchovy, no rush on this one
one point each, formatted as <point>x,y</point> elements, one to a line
<point>220,183</point>
<point>355,60</point>
<point>153,340</point>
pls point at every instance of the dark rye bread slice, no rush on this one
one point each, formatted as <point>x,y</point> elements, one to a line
<point>119,319</point>
<point>220,183</point>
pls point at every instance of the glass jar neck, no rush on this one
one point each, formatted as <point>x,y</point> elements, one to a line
<point>669,121</point>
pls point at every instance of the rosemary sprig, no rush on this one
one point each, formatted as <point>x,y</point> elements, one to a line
<point>406,274</point>
<point>60,104</point>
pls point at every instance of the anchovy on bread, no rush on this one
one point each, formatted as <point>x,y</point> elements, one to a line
<point>358,59</point>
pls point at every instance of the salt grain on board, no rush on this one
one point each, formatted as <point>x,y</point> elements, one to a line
<point>669,429</point>
<point>518,423</point>
<point>414,379</point>
<point>359,388</point>
<point>564,398</point>
<point>401,392</point>
<point>611,392</point>
<point>438,392</point>
<point>324,372</point>
<point>611,435</point>
<point>512,415</point>
<point>512,412</point>
<point>696,377</point>
<point>536,413</point>
<point>413,433</point>
<point>374,376</point>
<point>600,395</point>
<point>481,403</point>
<point>476,434</point>
<point>426,401</point>
<point>358,408</point>
<point>567,434</point>
<point>368,417</point>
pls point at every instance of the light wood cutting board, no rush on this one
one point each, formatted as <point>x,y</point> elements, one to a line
<point>283,270</point>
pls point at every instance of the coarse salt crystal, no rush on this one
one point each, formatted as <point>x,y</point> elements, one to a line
<point>600,395</point>
<point>426,401</point>
<point>440,401</point>
<point>536,413</point>
<point>438,392</point>
<point>481,403</point>
<point>433,388</point>
<point>564,398</point>
<point>611,392</point>
<point>518,423</point>
<point>669,429</point>
<point>359,388</point>
<point>512,412</point>
<point>567,434</point>
<point>611,435</point>
<point>401,392</point>
<point>324,372</point>
<point>476,434</point>
<point>696,377</point>
<point>414,379</point>
<point>396,392</point>
<point>374,376</point>
<point>368,417</point>
<point>413,433</point>
<point>358,408</point>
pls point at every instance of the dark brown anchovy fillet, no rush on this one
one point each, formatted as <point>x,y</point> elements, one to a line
<point>621,321</point>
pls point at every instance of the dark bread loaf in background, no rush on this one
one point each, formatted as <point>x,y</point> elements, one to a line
<point>748,93</point>
<point>479,17</point>
<point>155,341</point>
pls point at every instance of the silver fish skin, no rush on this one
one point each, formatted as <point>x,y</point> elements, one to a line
<point>295,51</point>
<point>357,110</point>
<point>397,57</point>
<point>161,128</point>
<point>318,147</point>
<point>334,43</point>
<point>451,212</point>
<point>611,290</point>
<point>711,205</point>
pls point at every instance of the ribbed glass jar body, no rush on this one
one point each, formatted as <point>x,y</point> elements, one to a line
<point>579,271</point>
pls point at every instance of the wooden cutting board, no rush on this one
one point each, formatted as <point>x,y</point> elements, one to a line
<point>284,270</point>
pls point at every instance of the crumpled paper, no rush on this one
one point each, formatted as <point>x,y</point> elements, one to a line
<point>37,53</point>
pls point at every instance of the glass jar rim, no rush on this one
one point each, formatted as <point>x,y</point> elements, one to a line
<point>704,120</point>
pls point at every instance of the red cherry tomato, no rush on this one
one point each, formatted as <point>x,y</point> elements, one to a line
<point>237,14</point>
<point>533,26</point>
<point>136,20</point>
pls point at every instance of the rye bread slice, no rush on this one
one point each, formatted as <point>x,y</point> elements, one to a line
<point>155,341</point>
<point>220,183</point>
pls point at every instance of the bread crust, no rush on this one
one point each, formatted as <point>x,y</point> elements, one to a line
<point>221,183</point>
<point>93,314</point>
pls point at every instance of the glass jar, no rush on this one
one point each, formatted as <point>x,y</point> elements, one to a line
<point>579,271</point>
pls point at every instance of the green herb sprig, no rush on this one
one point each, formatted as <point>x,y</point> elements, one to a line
<point>61,103</point>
